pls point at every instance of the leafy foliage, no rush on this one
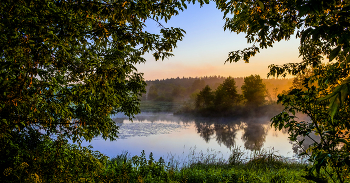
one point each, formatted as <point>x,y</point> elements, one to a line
<point>205,98</point>
<point>323,29</point>
<point>66,66</point>
<point>331,151</point>
<point>52,161</point>
<point>226,95</point>
<point>254,90</point>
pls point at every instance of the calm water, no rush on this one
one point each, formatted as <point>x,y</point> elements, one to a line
<point>167,136</point>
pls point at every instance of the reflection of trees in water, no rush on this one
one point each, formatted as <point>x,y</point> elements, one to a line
<point>119,121</point>
<point>205,130</point>
<point>306,143</point>
<point>155,117</point>
<point>224,129</point>
<point>226,134</point>
<point>254,136</point>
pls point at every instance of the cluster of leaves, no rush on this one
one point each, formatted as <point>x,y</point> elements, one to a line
<point>323,29</point>
<point>66,66</point>
<point>331,151</point>
<point>136,169</point>
<point>46,160</point>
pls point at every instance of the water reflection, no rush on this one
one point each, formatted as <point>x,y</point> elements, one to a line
<point>205,130</point>
<point>254,136</point>
<point>226,134</point>
<point>225,131</point>
<point>163,133</point>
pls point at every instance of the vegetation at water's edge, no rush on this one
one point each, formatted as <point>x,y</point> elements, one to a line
<point>71,163</point>
<point>261,168</point>
<point>226,101</point>
<point>214,96</point>
<point>182,89</point>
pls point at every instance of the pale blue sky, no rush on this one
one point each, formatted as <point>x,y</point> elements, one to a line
<point>206,45</point>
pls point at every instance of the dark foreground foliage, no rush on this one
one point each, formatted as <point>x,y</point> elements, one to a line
<point>72,163</point>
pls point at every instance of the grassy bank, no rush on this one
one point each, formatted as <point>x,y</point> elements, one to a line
<point>262,167</point>
<point>71,163</point>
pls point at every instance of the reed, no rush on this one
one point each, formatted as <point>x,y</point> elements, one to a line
<point>209,166</point>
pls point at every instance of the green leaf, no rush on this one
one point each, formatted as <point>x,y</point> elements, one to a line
<point>261,4</point>
<point>305,34</point>
<point>303,10</point>
<point>334,106</point>
<point>334,53</point>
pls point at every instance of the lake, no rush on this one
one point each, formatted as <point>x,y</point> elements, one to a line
<point>180,137</point>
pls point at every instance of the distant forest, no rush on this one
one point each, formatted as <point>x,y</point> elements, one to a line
<point>181,89</point>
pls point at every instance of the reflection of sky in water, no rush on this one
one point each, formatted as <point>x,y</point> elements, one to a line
<point>129,129</point>
<point>164,134</point>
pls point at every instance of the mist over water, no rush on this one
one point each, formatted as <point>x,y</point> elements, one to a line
<point>171,136</point>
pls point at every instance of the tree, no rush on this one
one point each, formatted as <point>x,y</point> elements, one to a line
<point>204,98</point>
<point>178,92</point>
<point>254,90</point>
<point>67,66</point>
<point>323,29</point>
<point>226,95</point>
<point>197,84</point>
<point>153,93</point>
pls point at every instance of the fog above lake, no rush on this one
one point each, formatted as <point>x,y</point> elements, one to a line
<point>166,135</point>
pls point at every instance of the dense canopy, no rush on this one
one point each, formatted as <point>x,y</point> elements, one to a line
<point>323,30</point>
<point>67,66</point>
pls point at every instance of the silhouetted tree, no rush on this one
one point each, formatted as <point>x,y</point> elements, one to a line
<point>226,94</point>
<point>254,90</point>
<point>205,98</point>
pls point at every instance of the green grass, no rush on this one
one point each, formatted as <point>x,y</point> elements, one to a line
<point>208,167</point>
<point>261,167</point>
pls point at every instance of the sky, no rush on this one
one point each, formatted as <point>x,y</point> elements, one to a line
<point>206,46</point>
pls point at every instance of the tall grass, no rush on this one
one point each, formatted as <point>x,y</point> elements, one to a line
<point>210,166</point>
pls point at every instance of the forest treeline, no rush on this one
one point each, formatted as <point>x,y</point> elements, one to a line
<point>181,89</point>
<point>213,95</point>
